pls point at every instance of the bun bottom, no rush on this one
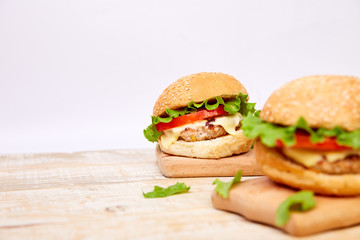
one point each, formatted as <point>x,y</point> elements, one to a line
<point>215,148</point>
<point>281,170</point>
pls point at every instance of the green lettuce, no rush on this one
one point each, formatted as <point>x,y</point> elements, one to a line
<point>239,104</point>
<point>222,188</point>
<point>300,201</point>
<point>165,192</point>
<point>151,133</point>
<point>254,127</point>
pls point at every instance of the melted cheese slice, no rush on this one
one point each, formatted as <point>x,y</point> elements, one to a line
<point>309,158</point>
<point>228,122</point>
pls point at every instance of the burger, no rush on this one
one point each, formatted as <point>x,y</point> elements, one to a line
<point>199,116</point>
<point>308,135</point>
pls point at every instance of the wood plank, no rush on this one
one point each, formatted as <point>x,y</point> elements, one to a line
<point>35,171</point>
<point>248,199</point>
<point>177,166</point>
<point>119,211</point>
<point>98,195</point>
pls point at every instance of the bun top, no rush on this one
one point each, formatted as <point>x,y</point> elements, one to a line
<point>197,87</point>
<point>324,101</point>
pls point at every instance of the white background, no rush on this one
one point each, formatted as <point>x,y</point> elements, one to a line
<point>84,75</point>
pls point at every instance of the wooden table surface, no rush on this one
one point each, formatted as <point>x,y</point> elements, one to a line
<point>98,195</point>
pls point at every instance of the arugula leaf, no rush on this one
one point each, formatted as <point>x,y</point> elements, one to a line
<point>300,201</point>
<point>254,127</point>
<point>165,192</point>
<point>239,104</point>
<point>222,188</point>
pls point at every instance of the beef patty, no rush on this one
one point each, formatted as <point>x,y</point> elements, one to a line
<point>203,133</point>
<point>350,164</point>
<point>207,132</point>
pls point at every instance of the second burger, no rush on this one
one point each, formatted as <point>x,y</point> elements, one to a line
<point>308,135</point>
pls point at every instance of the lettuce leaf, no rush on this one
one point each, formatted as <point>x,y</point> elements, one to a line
<point>239,104</point>
<point>151,133</point>
<point>254,127</point>
<point>222,188</point>
<point>165,192</point>
<point>300,201</point>
<point>350,139</point>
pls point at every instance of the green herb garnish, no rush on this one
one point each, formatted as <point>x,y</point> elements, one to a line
<point>222,188</point>
<point>165,192</point>
<point>300,201</point>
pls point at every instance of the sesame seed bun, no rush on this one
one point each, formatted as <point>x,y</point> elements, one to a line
<point>215,148</point>
<point>324,101</point>
<point>280,169</point>
<point>197,87</point>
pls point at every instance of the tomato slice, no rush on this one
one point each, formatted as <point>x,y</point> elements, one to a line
<point>190,118</point>
<point>303,141</point>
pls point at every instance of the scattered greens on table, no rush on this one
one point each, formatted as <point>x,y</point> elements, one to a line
<point>222,188</point>
<point>165,192</point>
<point>300,201</point>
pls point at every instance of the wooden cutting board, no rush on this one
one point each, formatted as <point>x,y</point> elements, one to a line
<point>258,199</point>
<point>177,166</point>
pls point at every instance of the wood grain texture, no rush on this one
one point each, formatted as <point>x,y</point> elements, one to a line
<point>248,199</point>
<point>177,166</point>
<point>98,195</point>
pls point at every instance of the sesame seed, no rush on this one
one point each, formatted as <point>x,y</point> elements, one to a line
<point>296,103</point>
